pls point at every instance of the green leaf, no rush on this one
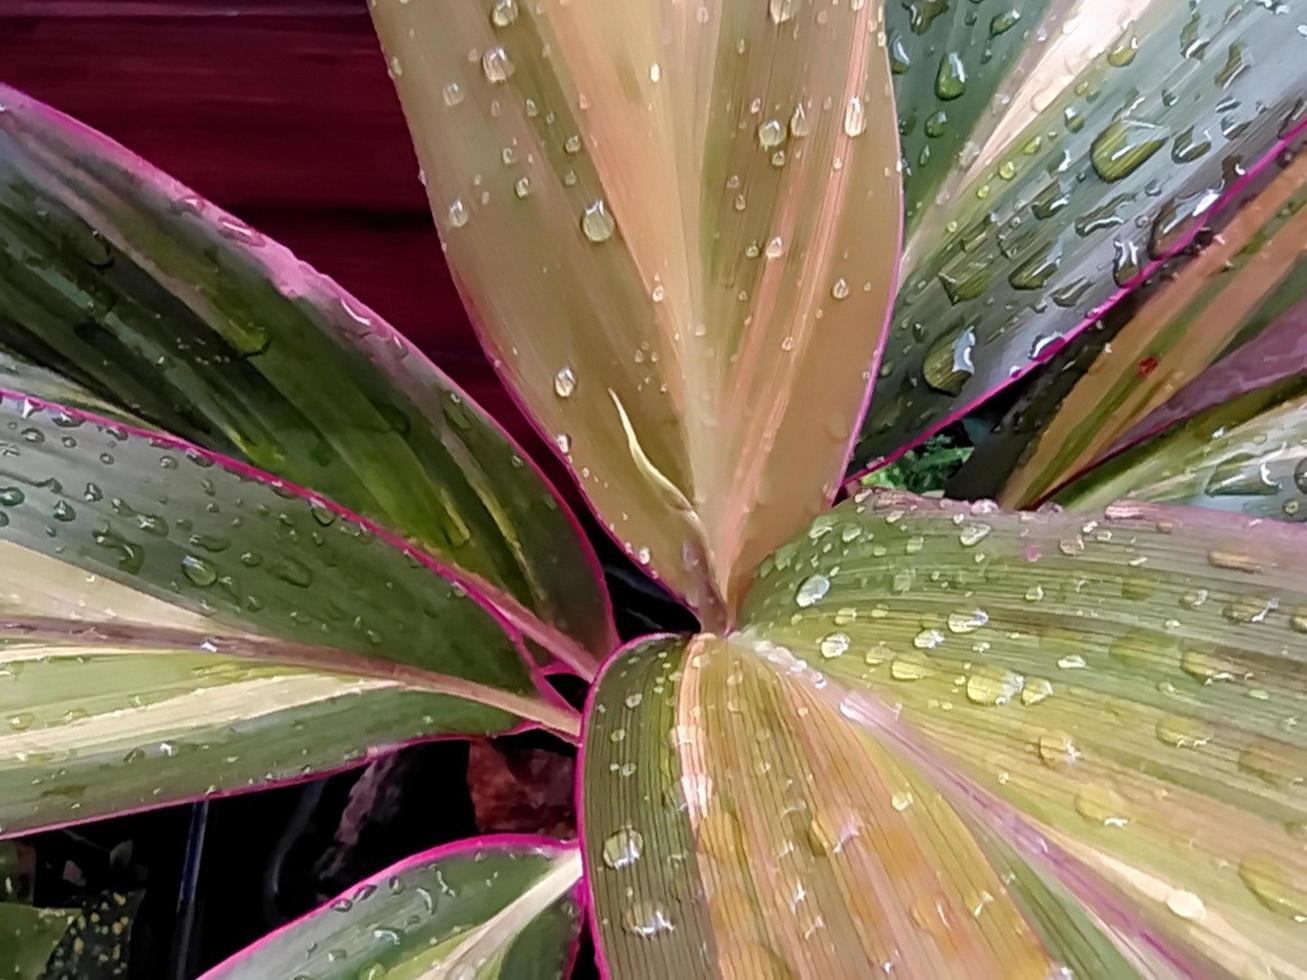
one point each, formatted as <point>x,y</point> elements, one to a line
<point>1128,123</point>
<point>146,297</point>
<point>1248,456</point>
<point>181,625</point>
<point>1245,277</point>
<point>478,909</point>
<point>28,938</point>
<point>663,218</point>
<point>949,740</point>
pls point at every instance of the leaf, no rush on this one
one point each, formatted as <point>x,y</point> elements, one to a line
<point>28,937</point>
<point>176,625</point>
<point>662,218</point>
<point>1238,280</point>
<point>497,906</point>
<point>1276,353</point>
<point>147,297</point>
<point>1248,456</point>
<point>949,740</point>
<point>1130,124</point>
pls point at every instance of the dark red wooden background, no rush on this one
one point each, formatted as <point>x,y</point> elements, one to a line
<point>281,112</point>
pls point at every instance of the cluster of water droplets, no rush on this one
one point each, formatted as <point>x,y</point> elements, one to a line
<point>1070,213</point>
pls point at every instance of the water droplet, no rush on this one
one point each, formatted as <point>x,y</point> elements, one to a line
<point>928,639</point>
<point>800,125</point>
<point>11,496</point>
<point>782,10</point>
<point>812,590</point>
<point>597,222</point>
<point>453,94</point>
<point>1124,146</point>
<point>647,918</point>
<point>497,65</point>
<point>1037,689</point>
<point>834,645</point>
<point>63,511</point>
<point>771,134</point>
<point>1102,805</point>
<point>993,686</point>
<point>458,213</point>
<point>967,621</point>
<point>564,382</point>
<point>1186,905</point>
<point>1004,22</point>
<point>522,187</point>
<point>855,117</point>
<point>972,534</point>
<point>1275,885</point>
<point>503,13</point>
<point>840,290</point>
<point>951,77</point>
<point>909,667</point>
<point>1057,750</point>
<point>198,571</point>
<point>623,848</point>
<point>901,800</point>
<point>1183,732</point>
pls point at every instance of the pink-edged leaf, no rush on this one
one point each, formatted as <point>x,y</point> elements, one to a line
<point>1278,352</point>
<point>677,227</point>
<point>1124,124</point>
<point>1239,282</point>
<point>952,741</point>
<point>146,297</point>
<point>482,909</point>
<point>1248,456</point>
<point>177,624</point>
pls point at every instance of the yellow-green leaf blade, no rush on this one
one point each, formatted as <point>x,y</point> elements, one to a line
<point>1123,686</point>
<point>660,219</point>
<point>479,909</point>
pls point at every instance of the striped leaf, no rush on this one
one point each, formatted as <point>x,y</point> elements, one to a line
<point>1240,283</point>
<point>949,740</point>
<point>141,296</point>
<point>479,909</point>
<point>176,624</point>
<point>662,217</point>
<point>1248,456</point>
<point>1121,126</point>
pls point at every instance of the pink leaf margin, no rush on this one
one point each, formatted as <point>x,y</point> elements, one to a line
<point>490,599</point>
<point>1093,316</point>
<point>528,842</point>
<point>295,279</point>
<point>578,790</point>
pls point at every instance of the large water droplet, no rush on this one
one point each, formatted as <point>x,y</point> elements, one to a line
<point>1275,885</point>
<point>503,13</point>
<point>647,918</point>
<point>855,117</point>
<point>198,571</point>
<point>497,65</point>
<point>834,645</point>
<point>812,590</point>
<point>1123,146</point>
<point>597,222</point>
<point>951,77</point>
<point>771,134</point>
<point>993,686</point>
<point>782,10</point>
<point>565,382</point>
<point>623,848</point>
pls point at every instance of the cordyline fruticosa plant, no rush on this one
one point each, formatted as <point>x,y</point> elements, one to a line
<point>251,534</point>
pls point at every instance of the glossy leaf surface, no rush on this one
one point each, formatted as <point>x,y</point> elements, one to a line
<point>1248,456</point>
<point>1127,124</point>
<point>28,938</point>
<point>676,226</point>
<point>179,625</point>
<point>949,740</point>
<point>146,297</point>
<point>1240,282</point>
<point>474,910</point>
